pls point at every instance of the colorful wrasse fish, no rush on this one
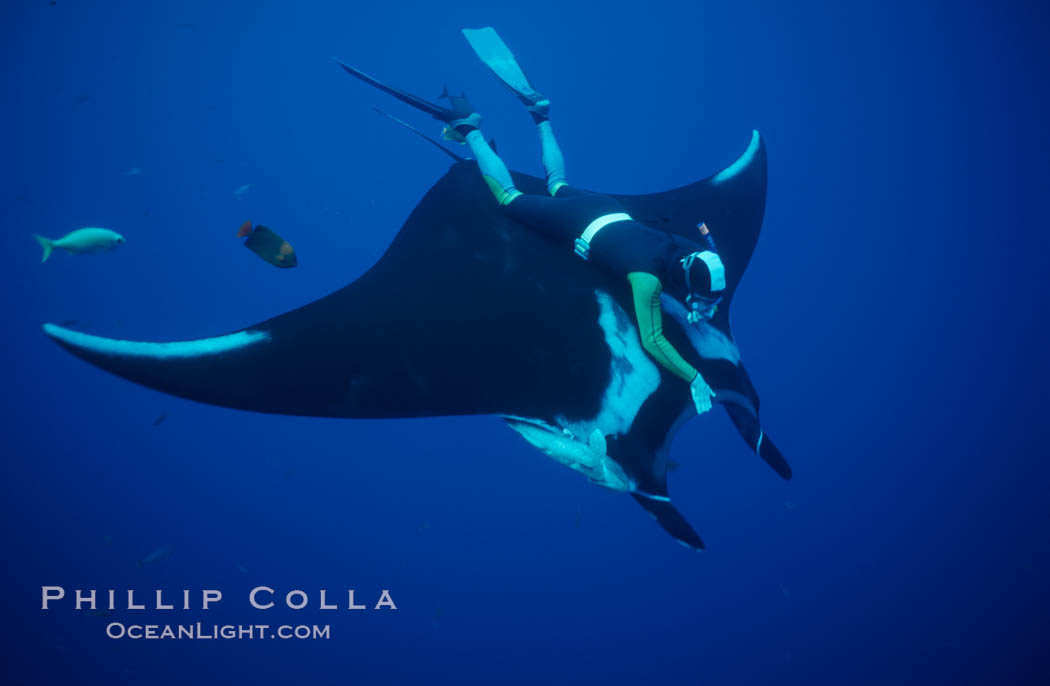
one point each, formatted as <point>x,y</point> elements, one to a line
<point>268,245</point>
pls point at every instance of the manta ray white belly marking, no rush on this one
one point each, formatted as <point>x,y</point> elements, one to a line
<point>159,351</point>
<point>633,377</point>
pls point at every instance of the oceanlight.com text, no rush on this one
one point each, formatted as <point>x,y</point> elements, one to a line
<point>200,631</point>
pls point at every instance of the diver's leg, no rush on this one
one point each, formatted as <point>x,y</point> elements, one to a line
<point>558,219</point>
<point>493,170</point>
<point>553,160</point>
<point>491,49</point>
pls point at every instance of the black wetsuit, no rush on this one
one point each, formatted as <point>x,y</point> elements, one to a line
<point>621,247</point>
<point>647,258</point>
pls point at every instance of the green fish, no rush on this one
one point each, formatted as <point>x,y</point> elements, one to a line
<point>81,242</point>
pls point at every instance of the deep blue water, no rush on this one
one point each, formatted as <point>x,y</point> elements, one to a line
<point>893,319</point>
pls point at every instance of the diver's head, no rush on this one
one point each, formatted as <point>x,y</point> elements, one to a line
<point>705,280</point>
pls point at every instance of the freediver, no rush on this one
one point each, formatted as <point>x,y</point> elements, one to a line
<point>595,226</point>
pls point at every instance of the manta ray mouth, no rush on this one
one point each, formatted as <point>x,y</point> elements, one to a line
<point>157,351</point>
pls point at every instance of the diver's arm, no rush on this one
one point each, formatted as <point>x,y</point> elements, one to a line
<point>646,289</point>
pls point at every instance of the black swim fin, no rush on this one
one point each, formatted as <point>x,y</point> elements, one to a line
<point>422,135</point>
<point>440,113</point>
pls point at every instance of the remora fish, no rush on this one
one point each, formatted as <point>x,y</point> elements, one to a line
<point>81,242</point>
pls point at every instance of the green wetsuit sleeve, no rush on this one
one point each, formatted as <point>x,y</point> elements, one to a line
<point>646,289</point>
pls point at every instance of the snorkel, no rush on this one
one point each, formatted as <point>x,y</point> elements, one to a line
<point>703,307</point>
<point>708,238</point>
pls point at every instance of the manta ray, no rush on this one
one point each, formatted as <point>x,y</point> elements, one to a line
<point>470,313</point>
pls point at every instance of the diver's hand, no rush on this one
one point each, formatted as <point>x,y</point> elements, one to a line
<point>702,394</point>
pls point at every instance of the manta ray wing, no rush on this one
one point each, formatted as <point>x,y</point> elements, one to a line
<point>468,312</point>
